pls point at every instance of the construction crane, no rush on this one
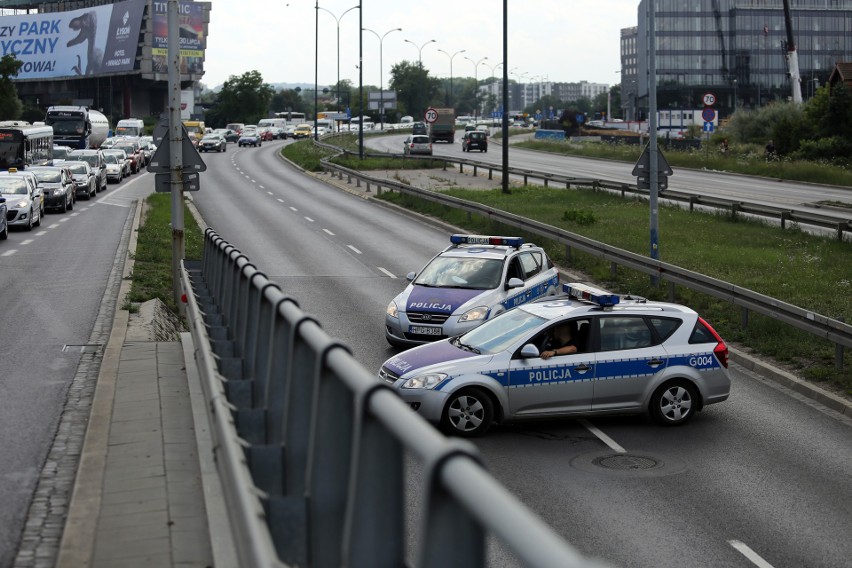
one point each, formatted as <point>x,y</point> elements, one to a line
<point>792,56</point>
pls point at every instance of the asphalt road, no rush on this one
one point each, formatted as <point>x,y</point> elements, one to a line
<point>53,281</point>
<point>763,475</point>
<point>795,195</point>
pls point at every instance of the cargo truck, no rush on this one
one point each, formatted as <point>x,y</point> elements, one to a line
<point>444,128</point>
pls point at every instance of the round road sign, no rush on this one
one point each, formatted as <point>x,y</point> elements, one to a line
<point>708,114</point>
<point>431,115</point>
<point>709,99</point>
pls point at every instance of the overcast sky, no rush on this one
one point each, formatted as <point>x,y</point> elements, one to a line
<point>556,40</point>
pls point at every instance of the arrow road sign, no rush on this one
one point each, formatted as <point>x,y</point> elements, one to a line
<point>643,166</point>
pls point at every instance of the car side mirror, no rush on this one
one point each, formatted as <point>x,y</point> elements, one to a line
<point>514,283</point>
<point>411,276</point>
<point>530,351</point>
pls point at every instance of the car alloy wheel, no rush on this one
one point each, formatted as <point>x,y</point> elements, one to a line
<point>468,413</point>
<point>674,403</point>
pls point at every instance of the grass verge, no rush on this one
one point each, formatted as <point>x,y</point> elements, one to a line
<point>308,155</point>
<point>152,268</point>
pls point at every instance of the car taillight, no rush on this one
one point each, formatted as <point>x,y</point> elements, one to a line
<point>721,349</point>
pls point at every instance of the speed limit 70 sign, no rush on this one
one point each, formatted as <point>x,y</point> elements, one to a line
<point>709,99</point>
<point>431,115</point>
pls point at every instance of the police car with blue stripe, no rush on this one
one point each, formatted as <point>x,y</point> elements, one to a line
<point>473,280</point>
<point>588,352</point>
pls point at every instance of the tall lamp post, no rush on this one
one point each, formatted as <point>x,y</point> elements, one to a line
<point>453,56</point>
<point>336,19</point>
<point>420,49</point>
<point>381,79</point>
<point>476,65</point>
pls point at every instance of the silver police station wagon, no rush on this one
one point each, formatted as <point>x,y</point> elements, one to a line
<point>473,280</point>
<point>625,355</point>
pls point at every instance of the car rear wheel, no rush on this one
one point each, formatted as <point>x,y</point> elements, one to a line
<point>674,403</point>
<point>468,413</point>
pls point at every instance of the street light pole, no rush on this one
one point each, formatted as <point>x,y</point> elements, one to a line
<point>336,19</point>
<point>381,79</point>
<point>476,83</point>
<point>453,56</point>
<point>420,49</point>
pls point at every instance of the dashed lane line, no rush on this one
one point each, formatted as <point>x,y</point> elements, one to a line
<point>354,249</point>
<point>387,272</point>
<point>754,557</point>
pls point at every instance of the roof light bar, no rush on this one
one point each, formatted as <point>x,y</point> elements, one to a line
<point>585,292</point>
<point>486,240</point>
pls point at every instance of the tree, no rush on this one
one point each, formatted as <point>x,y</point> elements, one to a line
<point>245,98</point>
<point>10,105</point>
<point>414,87</point>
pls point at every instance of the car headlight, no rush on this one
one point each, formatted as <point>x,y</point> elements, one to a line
<point>475,314</point>
<point>392,310</point>
<point>427,381</point>
<point>23,203</point>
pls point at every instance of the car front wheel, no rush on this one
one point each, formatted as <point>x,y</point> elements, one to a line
<point>468,413</point>
<point>674,403</point>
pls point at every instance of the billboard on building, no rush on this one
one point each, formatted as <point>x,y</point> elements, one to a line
<point>192,39</point>
<point>86,42</point>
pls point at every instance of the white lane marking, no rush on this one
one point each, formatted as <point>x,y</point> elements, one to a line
<point>26,242</point>
<point>253,181</point>
<point>755,558</point>
<point>602,437</point>
<point>388,272</point>
<point>74,214</point>
<point>353,248</point>
<point>329,232</point>
<point>9,252</point>
<point>65,220</point>
<point>261,187</point>
<point>54,226</point>
<point>280,200</point>
<point>293,209</point>
<point>309,219</point>
<point>269,193</point>
<point>247,177</point>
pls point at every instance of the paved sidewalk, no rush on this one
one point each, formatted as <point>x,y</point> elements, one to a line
<point>139,492</point>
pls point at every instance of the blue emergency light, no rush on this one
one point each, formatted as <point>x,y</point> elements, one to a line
<point>487,240</point>
<point>585,292</point>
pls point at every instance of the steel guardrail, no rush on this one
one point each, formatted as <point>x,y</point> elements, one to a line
<point>831,329</point>
<point>311,448</point>
<point>782,215</point>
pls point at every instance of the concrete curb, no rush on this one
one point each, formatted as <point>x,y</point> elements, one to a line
<point>78,537</point>
<point>787,379</point>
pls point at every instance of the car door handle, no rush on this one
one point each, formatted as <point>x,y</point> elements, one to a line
<point>655,362</point>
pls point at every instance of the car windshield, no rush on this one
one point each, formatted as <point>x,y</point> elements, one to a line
<point>498,334</point>
<point>420,140</point>
<point>454,272</point>
<point>48,176</point>
<point>77,168</point>
<point>91,159</point>
<point>13,186</point>
<point>110,159</point>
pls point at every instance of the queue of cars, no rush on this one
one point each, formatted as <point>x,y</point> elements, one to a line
<point>498,341</point>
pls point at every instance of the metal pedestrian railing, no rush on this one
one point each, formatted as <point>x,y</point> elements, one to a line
<point>310,447</point>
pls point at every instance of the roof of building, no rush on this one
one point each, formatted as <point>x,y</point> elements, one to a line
<point>842,72</point>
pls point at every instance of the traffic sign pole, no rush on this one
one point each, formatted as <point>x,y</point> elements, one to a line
<point>176,134</point>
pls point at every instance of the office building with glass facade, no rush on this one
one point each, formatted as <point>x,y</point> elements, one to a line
<point>734,49</point>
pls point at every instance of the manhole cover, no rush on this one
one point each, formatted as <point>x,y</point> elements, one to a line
<point>625,462</point>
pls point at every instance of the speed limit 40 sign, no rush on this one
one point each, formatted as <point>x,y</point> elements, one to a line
<point>431,115</point>
<point>709,99</point>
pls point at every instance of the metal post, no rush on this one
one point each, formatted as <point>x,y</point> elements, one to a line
<point>505,118</point>
<point>361,79</point>
<point>652,134</point>
<point>176,146</point>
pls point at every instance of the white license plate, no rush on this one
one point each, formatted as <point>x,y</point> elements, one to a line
<point>424,330</point>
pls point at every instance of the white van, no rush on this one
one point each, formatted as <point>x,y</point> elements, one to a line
<point>130,127</point>
<point>276,125</point>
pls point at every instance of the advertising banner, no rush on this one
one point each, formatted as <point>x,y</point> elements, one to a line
<point>192,40</point>
<point>91,41</point>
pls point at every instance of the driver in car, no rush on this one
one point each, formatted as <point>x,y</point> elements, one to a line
<point>560,342</point>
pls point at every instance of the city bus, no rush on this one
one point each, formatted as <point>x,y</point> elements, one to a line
<point>292,117</point>
<point>22,146</point>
